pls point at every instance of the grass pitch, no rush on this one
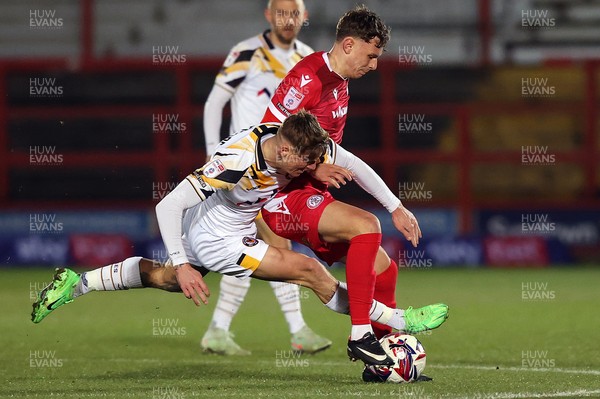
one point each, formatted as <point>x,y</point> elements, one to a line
<point>511,334</point>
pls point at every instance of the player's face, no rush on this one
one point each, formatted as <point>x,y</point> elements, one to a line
<point>294,164</point>
<point>286,18</point>
<point>362,58</point>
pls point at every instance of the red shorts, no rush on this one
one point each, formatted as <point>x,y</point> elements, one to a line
<point>294,214</point>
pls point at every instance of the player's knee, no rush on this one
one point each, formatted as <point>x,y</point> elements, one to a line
<point>366,223</point>
<point>313,270</point>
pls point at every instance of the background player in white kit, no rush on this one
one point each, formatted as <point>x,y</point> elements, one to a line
<point>248,78</point>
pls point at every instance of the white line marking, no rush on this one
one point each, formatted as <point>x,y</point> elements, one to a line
<point>519,369</point>
<point>316,362</point>
<point>526,395</point>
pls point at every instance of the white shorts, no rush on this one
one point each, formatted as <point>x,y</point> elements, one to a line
<point>237,256</point>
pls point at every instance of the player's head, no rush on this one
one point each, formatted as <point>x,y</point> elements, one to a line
<point>301,143</point>
<point>361,37</point>
<point>286,18</point>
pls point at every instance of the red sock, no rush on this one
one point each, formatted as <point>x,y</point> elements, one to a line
<point>385,292</point>
<point>360,275</point>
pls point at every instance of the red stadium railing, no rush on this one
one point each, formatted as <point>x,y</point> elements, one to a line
<point>387,158</point>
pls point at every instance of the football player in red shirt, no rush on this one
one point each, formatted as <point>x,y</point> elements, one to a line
<point>306,212</point>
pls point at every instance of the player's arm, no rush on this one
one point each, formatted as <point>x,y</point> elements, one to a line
<point>213,116</point>
<point>195,188</point>
<point>232,73</point>
<point>370,181</point>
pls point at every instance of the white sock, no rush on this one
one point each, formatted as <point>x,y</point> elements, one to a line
<point>288,296</point>
<point>379,312</point>
<point>339,301</point>
<point>386,315</point>
<point>232,292</point>
<point>118,276</point>
<point>359,330</point>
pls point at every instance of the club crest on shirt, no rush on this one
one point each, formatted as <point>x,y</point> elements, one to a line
<point>292,99</point>
<point>314,201</point>
<point>249,241</point>
<point>231,58</point>
<point>213,169</point>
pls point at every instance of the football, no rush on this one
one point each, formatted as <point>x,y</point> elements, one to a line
<point>409,360</point>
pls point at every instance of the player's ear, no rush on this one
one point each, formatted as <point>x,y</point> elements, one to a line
<point>269,16</point>
<point>347,44</point>
<point>304,17</point>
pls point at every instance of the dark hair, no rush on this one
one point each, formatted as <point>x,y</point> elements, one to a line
<point>362,23</point>
<point>304,133</point>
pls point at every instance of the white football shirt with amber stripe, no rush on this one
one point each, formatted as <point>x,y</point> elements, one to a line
<point>223,198</point>
<point>251,72</point>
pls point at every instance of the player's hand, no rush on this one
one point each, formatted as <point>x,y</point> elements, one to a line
<point>332,174</point>
<point>207,158</point>
<point>407,224</point>
<point>192,284</point>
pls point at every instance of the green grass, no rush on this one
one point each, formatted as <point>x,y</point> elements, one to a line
<point>103,343</point>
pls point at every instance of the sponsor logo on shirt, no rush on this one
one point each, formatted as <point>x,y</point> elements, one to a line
<point>338,113</point>
<point>292,99</point>
<point>305,79</point>
<point>314,201</point>
<point>214,168</point>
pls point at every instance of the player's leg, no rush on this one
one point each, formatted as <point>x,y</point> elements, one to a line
<point>281,264</point>
<point>303,338</point>
<point>340,222</point>
<point>305,209</point>
<point>134,272</point>
<point>217,338</point>
<point>385,287</point>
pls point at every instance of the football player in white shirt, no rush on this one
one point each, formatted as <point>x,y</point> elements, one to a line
<point>249,77</point>
<point>209,220</point>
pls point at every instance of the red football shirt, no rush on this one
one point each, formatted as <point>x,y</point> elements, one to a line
<point>312,84</point>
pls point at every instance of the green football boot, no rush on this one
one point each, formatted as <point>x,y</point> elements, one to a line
<point>425,318</point>
<point>307,341</point>
<point>57,293</point>
<point>220,341</point>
